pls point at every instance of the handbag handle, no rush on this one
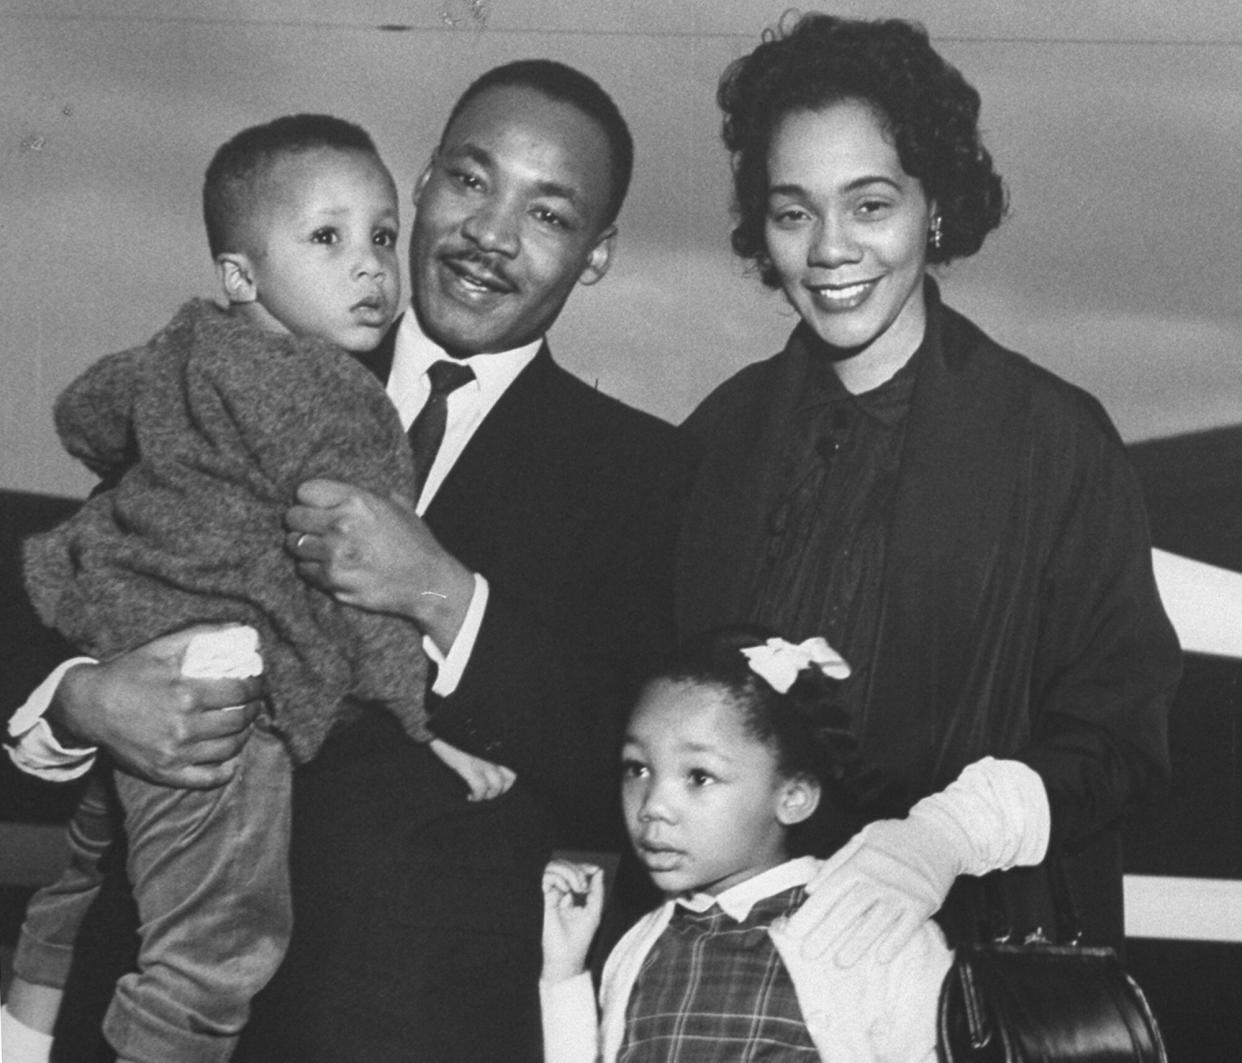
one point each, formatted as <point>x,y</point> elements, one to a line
<point>1001,930</point>
<point>1069,922</point>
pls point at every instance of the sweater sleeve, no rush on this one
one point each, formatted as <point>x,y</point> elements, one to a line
<point>570,1022</point>
<point>94,414</point>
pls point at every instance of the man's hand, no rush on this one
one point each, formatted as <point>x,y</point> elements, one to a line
<point>154,721</point>
<point>377,554</point>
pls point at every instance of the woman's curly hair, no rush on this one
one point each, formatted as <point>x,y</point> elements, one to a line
<point>808,62</point>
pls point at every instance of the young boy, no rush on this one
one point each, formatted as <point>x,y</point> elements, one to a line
<point>202,436</point>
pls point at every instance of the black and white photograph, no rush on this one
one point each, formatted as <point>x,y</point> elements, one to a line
<point>620,532</point>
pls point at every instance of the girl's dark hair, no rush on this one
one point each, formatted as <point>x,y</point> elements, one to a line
<point>807,726</point>
<point>812,61</point>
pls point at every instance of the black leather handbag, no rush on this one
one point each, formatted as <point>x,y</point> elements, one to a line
<point>1035,1001</point>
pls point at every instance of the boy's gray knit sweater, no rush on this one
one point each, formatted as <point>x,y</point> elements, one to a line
<point>212,425</point>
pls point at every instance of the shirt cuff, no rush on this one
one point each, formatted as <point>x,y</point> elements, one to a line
<point>36,750</point>
<point>451,666</point>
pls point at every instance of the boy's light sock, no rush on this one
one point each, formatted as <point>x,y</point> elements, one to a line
<point>20,1044</point>
<point>230,653</point>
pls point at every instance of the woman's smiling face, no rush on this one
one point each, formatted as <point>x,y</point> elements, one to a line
<point>846,232</point>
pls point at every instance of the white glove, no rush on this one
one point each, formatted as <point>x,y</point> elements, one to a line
<point>895,874</point>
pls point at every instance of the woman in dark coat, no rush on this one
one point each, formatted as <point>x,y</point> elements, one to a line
<point>961,524</point>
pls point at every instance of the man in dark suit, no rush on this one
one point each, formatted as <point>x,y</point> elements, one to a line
<point>536,562</point>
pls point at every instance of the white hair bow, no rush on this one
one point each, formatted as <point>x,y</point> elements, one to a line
<point>779,662</point>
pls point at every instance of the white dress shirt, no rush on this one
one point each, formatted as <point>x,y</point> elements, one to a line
<point>468,405</point>
<point>409,388</point>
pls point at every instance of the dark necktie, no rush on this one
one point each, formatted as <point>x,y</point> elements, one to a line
<point>427,431</point>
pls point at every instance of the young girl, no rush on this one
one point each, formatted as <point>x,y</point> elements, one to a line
<point>731,746</point>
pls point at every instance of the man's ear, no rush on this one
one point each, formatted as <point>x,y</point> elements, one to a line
<point>423,178</point>
<point>600,257</point>
<point>236,276</point>
<point>799,798</point>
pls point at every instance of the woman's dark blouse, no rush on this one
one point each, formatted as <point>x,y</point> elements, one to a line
<point>823,557</point>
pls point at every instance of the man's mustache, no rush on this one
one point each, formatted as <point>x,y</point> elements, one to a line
<point>488,269</point>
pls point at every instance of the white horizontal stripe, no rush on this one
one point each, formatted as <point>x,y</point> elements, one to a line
<point>1183,909</point>
<point>1204,603</point>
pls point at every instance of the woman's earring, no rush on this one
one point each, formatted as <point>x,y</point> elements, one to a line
<point>934,235</point>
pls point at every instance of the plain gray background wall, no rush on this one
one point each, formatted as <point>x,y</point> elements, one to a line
<point>1117,125</point>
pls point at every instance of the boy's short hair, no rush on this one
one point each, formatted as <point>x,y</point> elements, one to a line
<point>230,186</point>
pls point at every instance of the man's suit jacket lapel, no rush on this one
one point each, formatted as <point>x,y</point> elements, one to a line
<point>505,449</point>
<point>509,436</point>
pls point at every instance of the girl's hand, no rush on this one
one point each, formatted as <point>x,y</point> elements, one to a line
<point>573,900</point>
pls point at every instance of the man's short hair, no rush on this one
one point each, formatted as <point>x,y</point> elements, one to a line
<point>230,186</point>
<point>565,84</point>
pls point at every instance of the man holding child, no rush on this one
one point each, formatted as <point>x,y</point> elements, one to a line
<point>536,563</point>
